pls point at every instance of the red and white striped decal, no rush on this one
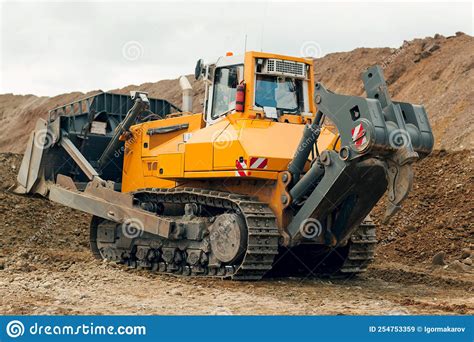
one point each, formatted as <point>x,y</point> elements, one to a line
<point>241,168</point>
<point>255,163</point>
<point>258,163</point>
<point>357,132</point>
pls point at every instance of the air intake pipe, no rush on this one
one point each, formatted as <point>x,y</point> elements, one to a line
<point>188,94</point>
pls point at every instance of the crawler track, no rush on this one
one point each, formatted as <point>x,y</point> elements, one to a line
<point>262,233</point>
<point>361,249</point>
<point>262,242</point>
<point>307,260</point>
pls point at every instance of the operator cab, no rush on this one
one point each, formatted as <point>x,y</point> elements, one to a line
<point>271,86</point>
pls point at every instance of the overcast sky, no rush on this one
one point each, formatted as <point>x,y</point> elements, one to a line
<point>50,48</point>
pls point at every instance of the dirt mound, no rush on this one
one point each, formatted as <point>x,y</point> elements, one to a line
<point>32,226</point>
<point>438,215</point>
<point>437,72</point>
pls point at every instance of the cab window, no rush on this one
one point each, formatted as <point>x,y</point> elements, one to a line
<point>226,80</point>
<point>283,93</point>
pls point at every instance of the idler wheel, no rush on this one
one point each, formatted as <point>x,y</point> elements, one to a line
<point>228,237</point>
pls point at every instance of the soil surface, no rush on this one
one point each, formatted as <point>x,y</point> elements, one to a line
<point>46,266</point>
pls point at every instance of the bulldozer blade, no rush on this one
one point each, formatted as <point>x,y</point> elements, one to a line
<point>29,176</point>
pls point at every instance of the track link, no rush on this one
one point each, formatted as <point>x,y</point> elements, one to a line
<point>308,260</point>
<point>361,249</point>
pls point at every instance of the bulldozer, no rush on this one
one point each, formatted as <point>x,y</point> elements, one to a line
<point>276,176</point>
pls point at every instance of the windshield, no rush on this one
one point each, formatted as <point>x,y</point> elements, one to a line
<point>283,93</point>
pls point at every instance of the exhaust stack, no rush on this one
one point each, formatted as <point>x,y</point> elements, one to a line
<point>188,94</point>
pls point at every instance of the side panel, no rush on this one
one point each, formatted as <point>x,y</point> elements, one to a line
<point>148,151</point>
<point>153,144</point>
<point>132,172</point>
<point>274,141</point>
<point>171,165</point>
<point>199,149</point>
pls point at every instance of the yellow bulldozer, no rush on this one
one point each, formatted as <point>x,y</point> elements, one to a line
<point>276,176</point>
